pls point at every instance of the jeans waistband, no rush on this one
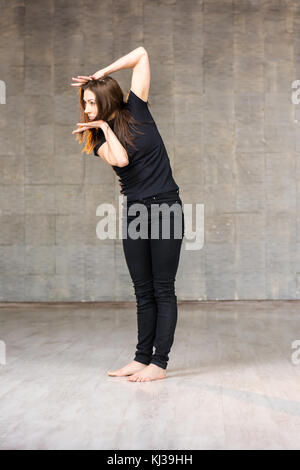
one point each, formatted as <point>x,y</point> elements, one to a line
<point>174,193</point>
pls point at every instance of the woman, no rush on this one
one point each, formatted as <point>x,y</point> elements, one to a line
<point>130,142</point>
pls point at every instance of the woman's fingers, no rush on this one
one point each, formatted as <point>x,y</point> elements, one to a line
<point>79,130</point>
<point>82,128</point>
<point>85,126</point>
<point>81,79</point>
<point>81,82</point>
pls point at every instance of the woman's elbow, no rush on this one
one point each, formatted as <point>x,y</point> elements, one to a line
<point>123,163</point>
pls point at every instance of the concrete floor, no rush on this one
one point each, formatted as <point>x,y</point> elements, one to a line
<point>231,380</point>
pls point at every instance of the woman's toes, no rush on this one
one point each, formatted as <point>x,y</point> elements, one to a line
<point>132,378</point>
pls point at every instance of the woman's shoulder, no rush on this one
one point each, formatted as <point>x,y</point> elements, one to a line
<point>138,107</point>
<point>132,96</point>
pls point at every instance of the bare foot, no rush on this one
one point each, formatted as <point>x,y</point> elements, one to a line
<point>150,372</point>
<point>129,369</point>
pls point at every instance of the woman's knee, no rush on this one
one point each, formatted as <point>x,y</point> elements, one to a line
<point>144,291</point>
<point>164,288</point>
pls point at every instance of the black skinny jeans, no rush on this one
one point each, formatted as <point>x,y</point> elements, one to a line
<point>152,264</point>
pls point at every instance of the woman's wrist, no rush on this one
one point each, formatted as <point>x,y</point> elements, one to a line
<point>104,126</point>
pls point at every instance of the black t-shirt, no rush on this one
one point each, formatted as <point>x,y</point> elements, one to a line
<point>148,172</point>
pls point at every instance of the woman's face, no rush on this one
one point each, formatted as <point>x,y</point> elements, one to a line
<point>91,108</point>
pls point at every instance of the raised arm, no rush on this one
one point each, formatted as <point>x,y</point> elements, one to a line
<point>138,60</point>
<point>140,82</point>
<point>112,151</point>
<point>128,61</point>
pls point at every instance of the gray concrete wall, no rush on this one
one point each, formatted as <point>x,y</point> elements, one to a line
<point>221,76</point>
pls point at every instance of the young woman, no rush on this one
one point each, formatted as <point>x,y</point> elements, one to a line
<point>125,136</point>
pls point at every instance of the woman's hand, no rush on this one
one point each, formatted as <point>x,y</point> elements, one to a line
<point>81,79</point>
<point>100,74</point>
<point>90,125</point>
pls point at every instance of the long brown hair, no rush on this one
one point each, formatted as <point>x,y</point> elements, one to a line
<point>109,100</point>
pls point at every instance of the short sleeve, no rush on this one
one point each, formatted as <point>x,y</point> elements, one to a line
<point>137,99</point>
<point>139,107</point>
<point>101,139</point>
